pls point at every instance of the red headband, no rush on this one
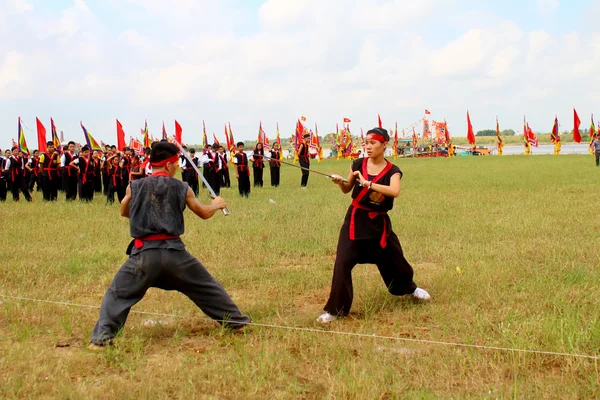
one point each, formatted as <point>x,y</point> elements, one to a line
<point>162,163</point>
<point>379,138</point>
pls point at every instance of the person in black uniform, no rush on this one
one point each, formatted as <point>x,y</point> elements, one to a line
<point>85,164</point>
<point>49,163</point>
<point>2,178</point>
<point>258,165</point>
<point>182,163</point>
<point>33,166</point>
<point>366,235</point>
<point>114,178</point>
<point>217,170</point>
<point>16,174</point>
<point>189,174</point>
<point>242,172</point>
<point>207,164</point>
<point>125,170</point>
<point>137,172</point>
<point>275,165</point>
<point>225,179</point>
<point>157,256</point>
<point>68,172</point>
<point>96,158</point>
<point>304,159</point>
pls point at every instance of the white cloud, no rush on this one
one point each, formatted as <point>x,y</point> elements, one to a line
<point>16,6</point>
<point>11,72</point>
<point>323,59</point>
<point>546,6</point>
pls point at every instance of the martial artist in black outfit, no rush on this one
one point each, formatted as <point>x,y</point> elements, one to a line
<point>97,172</point>
<point>242,172</point>
<point>69,173</point>
<point>86,174</point>
<point>189,174</point>
<point>2,178</point>
<point>275,165</point>
<point>366,235</point>
<point>157,256</point>
<point>114,180</point>
<point>258,165</point>
<point>225,179</point>
<point>33,166</point>
<point>49,163</point>
<point>304,158</point>
<point>16,174</point>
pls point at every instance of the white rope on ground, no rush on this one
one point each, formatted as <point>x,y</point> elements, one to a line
<point>313,330</point>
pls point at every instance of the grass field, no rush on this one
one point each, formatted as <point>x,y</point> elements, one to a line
<point>522,231</point>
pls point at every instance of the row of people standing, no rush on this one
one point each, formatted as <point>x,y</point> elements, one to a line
<point>82,174</point>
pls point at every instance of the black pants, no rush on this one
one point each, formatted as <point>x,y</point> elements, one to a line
<point>597,154</point>
<point>123,187</point>
<point>70,184</point>
<point>17,185</point>
<point>98,183</point>
<point>258,176</point>
<point>105,183</point>
<point>304,164</point>
<point>168,270</point>
<point>225,179</point>
<point>112,190</point>
<point>216,182</point>
<point>207,173</point>
<point>86,190</point>
<point>50,187</point>
<point>244,184</point>
<point>275,173</point>
<point>193,184</point>
<point>35,181</point>
<point>393,267</point>
<point>2,189</point>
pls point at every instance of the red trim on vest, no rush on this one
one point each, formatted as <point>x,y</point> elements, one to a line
<point>372,213</point>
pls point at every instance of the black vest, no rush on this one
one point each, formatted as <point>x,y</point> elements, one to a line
<point>156,206</point>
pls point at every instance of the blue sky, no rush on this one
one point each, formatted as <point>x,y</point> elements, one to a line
<point>274,61</point>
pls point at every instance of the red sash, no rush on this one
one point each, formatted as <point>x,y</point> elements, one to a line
<point>139,242</point>
<point>372,213</point>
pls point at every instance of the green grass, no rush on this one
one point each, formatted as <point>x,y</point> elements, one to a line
<point>523,231</point>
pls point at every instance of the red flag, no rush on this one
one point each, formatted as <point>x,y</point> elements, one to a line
<point>120,136</point>
<point>576,123</point>
<point>470,134</point>
<point>379,121</point>
<point>555,136</point>
<point>41,134</point>
<point>178,132</point>
<point>347,120</point>
<point>231,141</point>
<point>261,134</point>
<point>427,111</point>
<point>227,141</point>
<point>216,140</point>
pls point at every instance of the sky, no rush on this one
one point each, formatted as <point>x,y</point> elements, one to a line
<point>249,61</point>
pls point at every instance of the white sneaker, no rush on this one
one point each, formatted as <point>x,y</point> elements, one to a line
<point>421,294</point>
<point>326,318</point>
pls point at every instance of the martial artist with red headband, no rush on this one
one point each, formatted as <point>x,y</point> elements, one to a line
<point>157,256</point>
<point>366,235</point>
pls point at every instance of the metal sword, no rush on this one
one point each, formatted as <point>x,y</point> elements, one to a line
<point>301,167</point>
<point>210,189</point>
